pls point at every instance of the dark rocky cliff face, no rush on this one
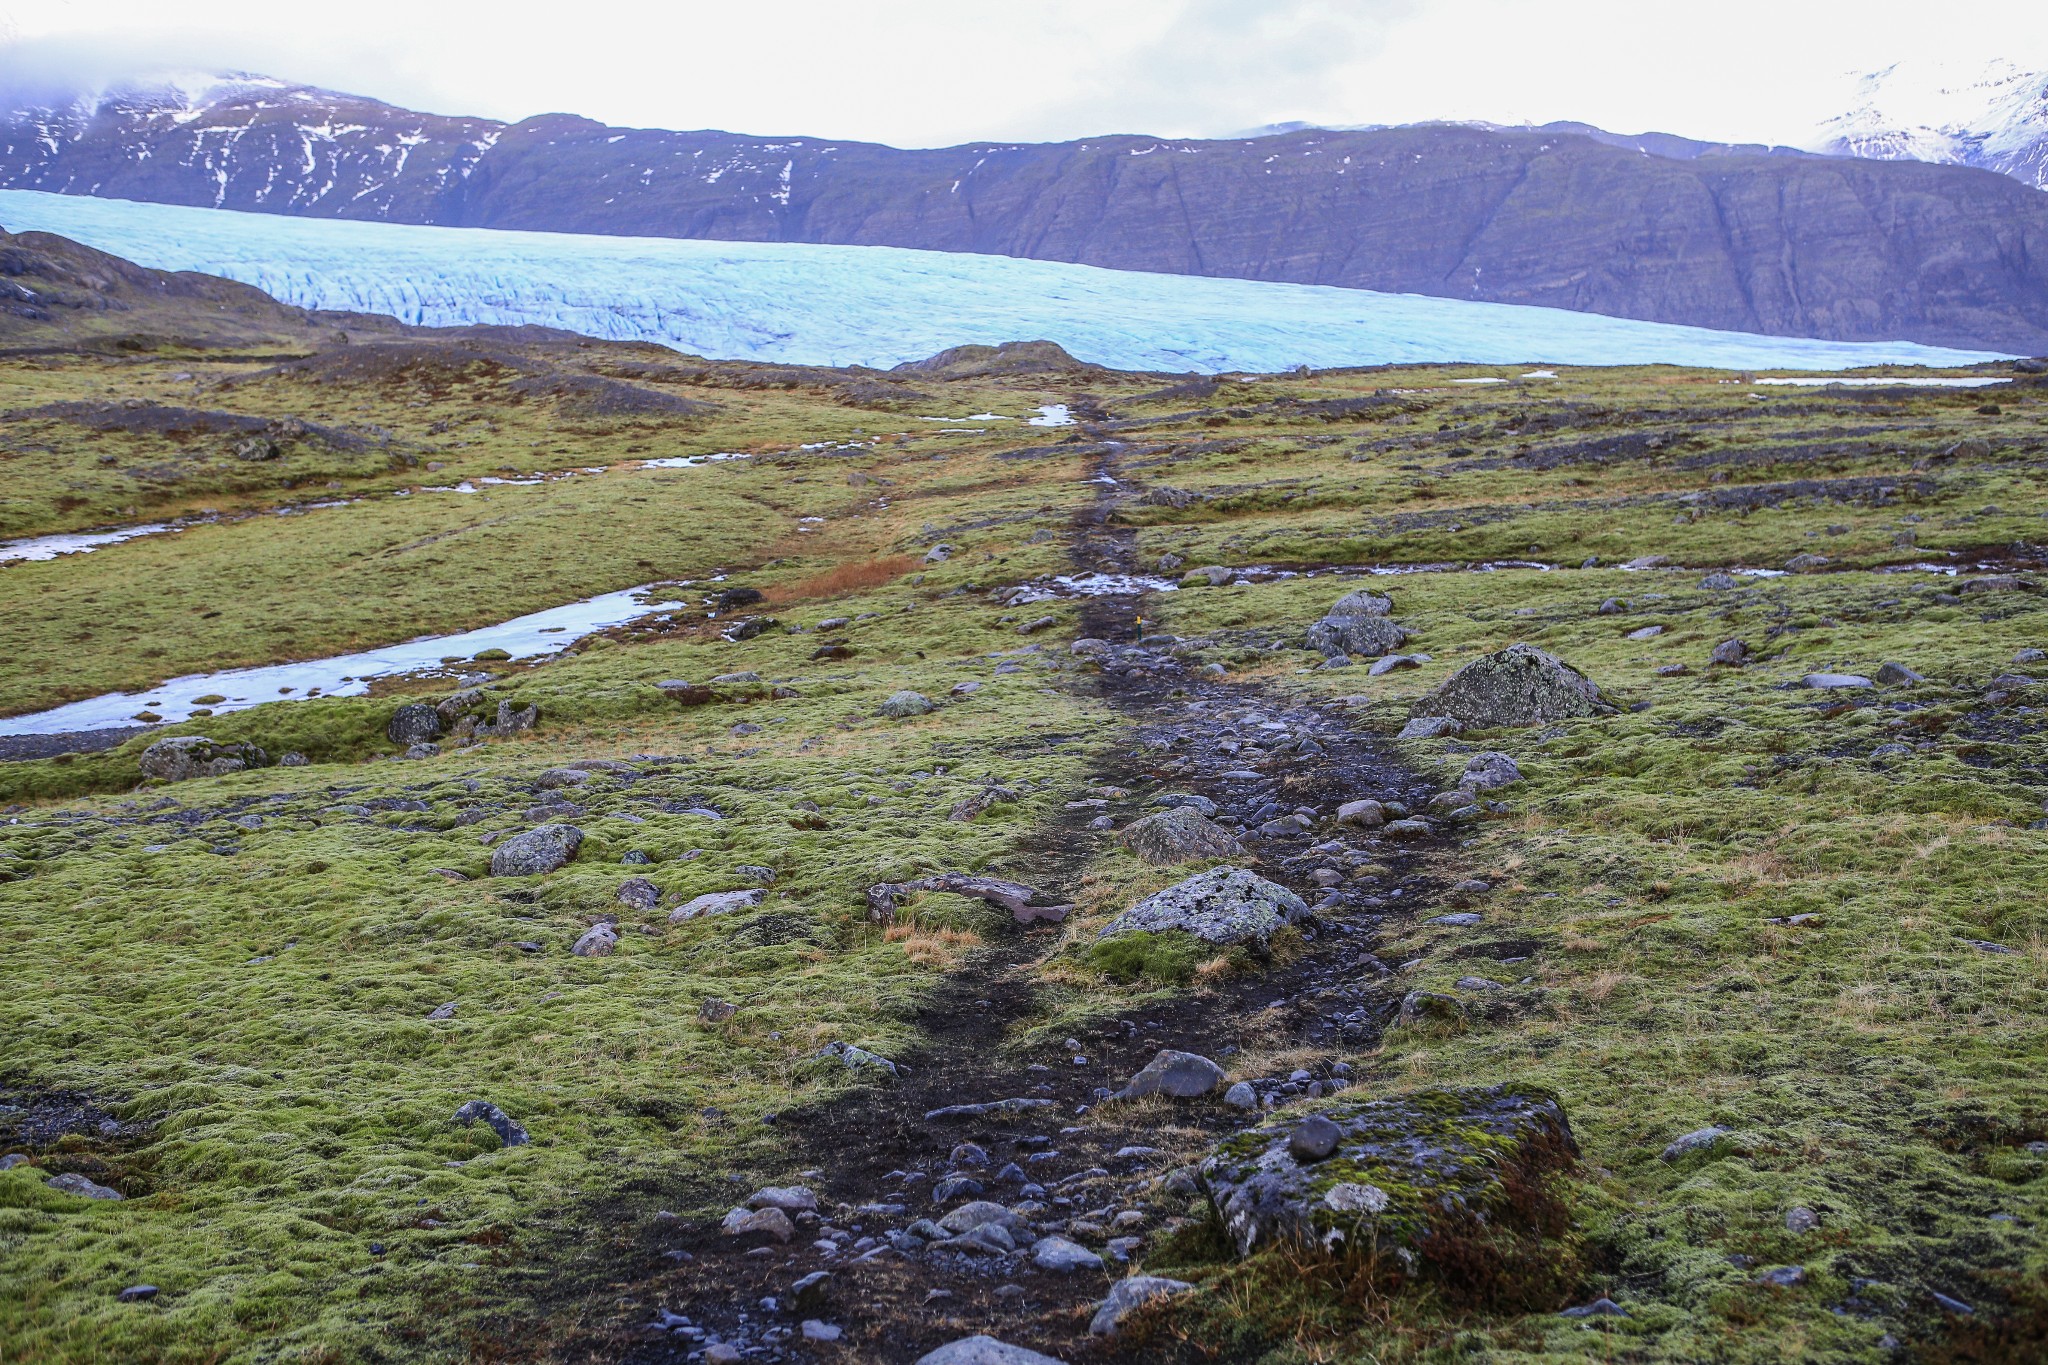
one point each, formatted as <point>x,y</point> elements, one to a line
<point>1791,245</point>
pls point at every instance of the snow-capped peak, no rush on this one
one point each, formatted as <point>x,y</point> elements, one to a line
<point>1994,117</point>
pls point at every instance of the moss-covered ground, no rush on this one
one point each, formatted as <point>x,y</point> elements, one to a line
<point>234,974</point>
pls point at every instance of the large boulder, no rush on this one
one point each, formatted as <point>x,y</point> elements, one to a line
<point>537,851</point>
<point>1222,905</point>
<point>1519,685</point>
<point>1365,637</point>
<point>187,756</point>
<point>1451,1161</point>
<point>413,723</point>
<point>1363,602</point>
<point>1179,835</point>
<point>1357,624</point>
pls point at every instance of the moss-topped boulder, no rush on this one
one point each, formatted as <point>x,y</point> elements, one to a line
<point>1519,685</point>
<point>1406,1176</point>
<point>1222,905</point>
<point>183,757</point>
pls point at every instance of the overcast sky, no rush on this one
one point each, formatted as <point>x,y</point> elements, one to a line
<point>933,72</point>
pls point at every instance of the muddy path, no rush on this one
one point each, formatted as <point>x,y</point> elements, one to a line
<point>1083,1170</point>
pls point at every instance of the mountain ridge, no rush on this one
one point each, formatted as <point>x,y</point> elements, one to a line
<point>1785,245</point>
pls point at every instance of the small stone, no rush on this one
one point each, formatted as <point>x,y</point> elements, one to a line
<point>772,1223</point>
<point>1179,1075</point>
<point>446,1011</point>
<point>637,893</point>
<point>1420,1008</point>
<point>1699,1140</point>
<point>813,1330</point>
<point>716,1011</point>
<point>137,1293</point>
<point>597,941</point>
<point>1430,727</point>
<point>1829,682</point>
<point>1730,654</point>
<point>1364,814</point>
<point>903,705</point>
<point>788,1198</point>
<point>1313,1139</point>
<point>1801,1219</point>
<point>1646,633</point>
<point>1241,1096</point>
<point>1126,1296</point>
<point>1598,1308</point>
<point>1720,582</point>
<point>1783,1276</point>
<point>1490,771</point>
<point>1897,675</point>
<point>1062,1256</point>
<point>71,1182</point>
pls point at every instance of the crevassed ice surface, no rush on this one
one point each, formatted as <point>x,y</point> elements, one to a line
<point>879,306</point>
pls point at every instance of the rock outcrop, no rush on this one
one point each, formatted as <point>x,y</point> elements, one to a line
<point>1519,685</point>
<point>1399,1170</point>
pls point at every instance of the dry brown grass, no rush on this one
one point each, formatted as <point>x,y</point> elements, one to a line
<point>862,575</point>
<point>940,948</point>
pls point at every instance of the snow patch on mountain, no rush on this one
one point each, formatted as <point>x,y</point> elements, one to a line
<point>879,306</point>
<point>1994,117</point>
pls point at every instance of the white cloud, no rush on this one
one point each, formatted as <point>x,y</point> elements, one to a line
<point>928,72</point>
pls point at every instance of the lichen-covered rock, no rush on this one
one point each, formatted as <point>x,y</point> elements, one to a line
<point>1365,637</point>
<point>1434,1161</point>
<point>183,757</point>
<point>1430,727</point>
<point>1361,603</point>
<point>1179,835</point>
<point>413,723</point>
<point>1519,685</point>
<point>1222,905</point>
<point>903,705</point>
<point>1490,771</point>
<point>1730,654</point>
<point>537,851</point>
<point>597,941</point>
<point>716,903</point>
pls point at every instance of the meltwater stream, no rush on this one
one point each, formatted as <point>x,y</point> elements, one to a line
<point>539,633</point>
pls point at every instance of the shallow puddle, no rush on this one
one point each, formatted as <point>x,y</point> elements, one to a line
<point>539,633</point>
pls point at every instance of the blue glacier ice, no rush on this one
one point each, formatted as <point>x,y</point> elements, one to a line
<point>870,305</point>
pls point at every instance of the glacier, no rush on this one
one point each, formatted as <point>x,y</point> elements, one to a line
<point>880,306</point>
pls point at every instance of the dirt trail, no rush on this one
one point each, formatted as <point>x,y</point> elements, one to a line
<point>857,1152</point>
